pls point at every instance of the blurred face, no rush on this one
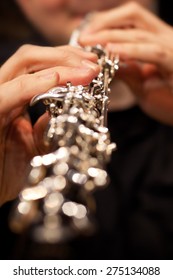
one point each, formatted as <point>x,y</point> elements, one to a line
<point>56,19</point>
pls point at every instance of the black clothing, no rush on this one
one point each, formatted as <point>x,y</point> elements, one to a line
<point>134,212</point>
<point>165,11</point>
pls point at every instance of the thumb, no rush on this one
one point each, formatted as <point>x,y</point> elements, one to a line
<point>131,74</point>
<point>20,90</point>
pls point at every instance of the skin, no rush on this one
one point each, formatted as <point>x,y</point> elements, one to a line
<point>140,39</point>
<point>144,43</point>
<point>19,82</point>
<point>56,19</point>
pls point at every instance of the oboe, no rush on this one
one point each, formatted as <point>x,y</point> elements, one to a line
<point>57,201</point>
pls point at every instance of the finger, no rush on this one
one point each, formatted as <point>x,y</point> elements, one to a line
<point>30,59</point>
<point>38,133</point>
<point>153,95</point>
<point>118,36</point>
<point>19,91</point>
<point>128,15</point>
<point>158,102</point>
<point>43,145</point>
<point>144,52</point>
<point>80,75</point>
<point>132,75</point>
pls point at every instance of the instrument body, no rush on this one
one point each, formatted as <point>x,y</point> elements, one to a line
<point>57,202</point>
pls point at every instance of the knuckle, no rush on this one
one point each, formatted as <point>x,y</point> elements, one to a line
<point>65,51</point>
<point>64,54</point>
<point>24,54</point>
<point>134,6</point>
<point>94,57</point>
<point>139,36</point>
<point>134,9</point>
<point>21,86</point>
<point>24,49</point>
<point>160,52</point>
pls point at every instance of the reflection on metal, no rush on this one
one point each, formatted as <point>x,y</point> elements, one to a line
<point>57,201</point>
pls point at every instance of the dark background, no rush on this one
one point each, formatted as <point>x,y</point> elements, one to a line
<point>135,211</point>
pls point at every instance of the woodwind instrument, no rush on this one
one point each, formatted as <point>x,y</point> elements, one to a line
<point>57,201</point>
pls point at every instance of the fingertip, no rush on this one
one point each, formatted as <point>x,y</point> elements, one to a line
<point>88,74</point>
<point>57,77</point>
<point>110,47</point>
<point>91,65</point>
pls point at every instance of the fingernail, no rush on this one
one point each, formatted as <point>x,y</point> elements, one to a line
<point>116,48</point>
<point>90,64</point>
<point>110,47</point>
<point>85,37</point>
<point>86,30</point>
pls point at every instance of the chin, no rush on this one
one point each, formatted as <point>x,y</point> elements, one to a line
<point>61,38</point>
